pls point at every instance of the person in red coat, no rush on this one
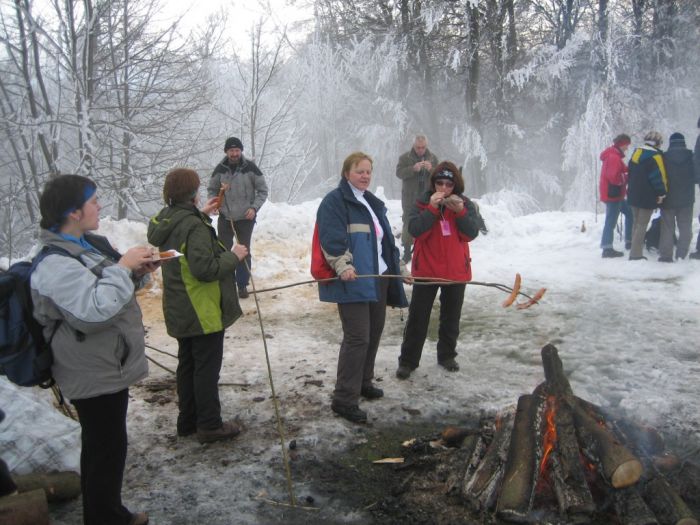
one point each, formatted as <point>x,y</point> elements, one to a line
<point>613,189</point>
<point>443,222</point>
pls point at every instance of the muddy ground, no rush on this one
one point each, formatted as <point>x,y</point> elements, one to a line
<point>180,482</point>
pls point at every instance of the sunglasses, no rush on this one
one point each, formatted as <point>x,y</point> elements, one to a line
<point>446,183</point>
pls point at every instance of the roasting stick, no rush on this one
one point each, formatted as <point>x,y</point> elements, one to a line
<point>514,292</point>
<point>275,402</point>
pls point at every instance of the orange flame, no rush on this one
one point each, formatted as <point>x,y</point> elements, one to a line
<point>550,434</point>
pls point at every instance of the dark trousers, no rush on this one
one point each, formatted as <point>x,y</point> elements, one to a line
<point>7,484</point>
<point>198,367</point>
<point>451,299</point>
<point>102,458</point>
<point>363,324</point>
<point>244,236</point>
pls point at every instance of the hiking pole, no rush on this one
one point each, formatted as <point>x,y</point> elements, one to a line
<point>275,402</point>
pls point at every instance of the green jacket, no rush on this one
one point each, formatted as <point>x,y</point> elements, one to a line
<point>199,292</point>
<point>415,184</point>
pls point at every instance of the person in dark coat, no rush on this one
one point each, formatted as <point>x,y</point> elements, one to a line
<point>199,302</point>
<point>413,168</point>
<point>696,162</point>
<point>648,184</point>
<point>613,189</point>
<point>443,222</point>
<point>356,239</point>
<point>677,208</point>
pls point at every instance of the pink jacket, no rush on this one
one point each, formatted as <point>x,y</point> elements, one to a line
<point>613,175</point>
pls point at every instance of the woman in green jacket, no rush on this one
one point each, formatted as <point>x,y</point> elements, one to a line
<point>199,302</point>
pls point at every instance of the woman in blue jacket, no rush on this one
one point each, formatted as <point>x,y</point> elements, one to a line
<point>356,240</point>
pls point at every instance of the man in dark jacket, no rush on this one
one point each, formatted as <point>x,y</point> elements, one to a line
<point>246,192</point>
<point>413,169</point>
<point>696,161</point>
<point>677,207</point>
<point>647,188</point>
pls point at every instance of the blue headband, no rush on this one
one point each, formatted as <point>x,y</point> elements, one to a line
<point>88,192</point>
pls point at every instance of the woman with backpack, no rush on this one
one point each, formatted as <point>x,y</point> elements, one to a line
<point>357,240</point>
<point>443,222</point>
<point>84,298</point>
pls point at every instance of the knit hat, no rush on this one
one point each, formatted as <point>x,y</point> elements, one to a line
<point>676,139</point>
<point>233,142</point>
<point>655,137</point>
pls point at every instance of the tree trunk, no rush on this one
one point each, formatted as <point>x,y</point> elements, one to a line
<point>574,496</point>
<point>481,489</point>
<point>618,465</point>
<point>58,486</point>
<point>667,504</point>
<point>631,509</point>
<point>520,476</point>
<point>29,508</point>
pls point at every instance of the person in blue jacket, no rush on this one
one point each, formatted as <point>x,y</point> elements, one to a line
<point>647,188</point>
<point>356,240</point>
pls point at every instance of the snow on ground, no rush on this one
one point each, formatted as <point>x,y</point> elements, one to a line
<point>627,333</point>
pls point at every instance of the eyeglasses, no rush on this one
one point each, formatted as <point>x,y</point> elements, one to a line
<point>446,183</point>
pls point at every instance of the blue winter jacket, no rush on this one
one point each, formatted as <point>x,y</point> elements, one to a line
<point>647,177</point>
<point>347,236</point>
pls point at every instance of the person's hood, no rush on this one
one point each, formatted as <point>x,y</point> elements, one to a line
<point>612,151</point>
<point>678,155</point>
<point>162,225</point>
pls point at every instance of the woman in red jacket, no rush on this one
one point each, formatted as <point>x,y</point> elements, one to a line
<point>442,221</point>
<point>613,188</point>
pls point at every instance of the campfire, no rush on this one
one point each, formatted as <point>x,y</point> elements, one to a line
<point>557,458</point>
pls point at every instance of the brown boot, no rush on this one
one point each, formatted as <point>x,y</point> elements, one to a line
<point>228,430</point>
<point>139,518</point>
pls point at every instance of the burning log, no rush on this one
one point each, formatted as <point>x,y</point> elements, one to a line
<point>518,488</point>
<point>29,508</point>
<point>618,465</point>
<point>481,488</point>
<point>667,504</point>
<point>631,509</point>
<point>574,496</point>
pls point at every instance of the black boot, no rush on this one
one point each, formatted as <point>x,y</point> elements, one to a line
<point>350,412</point>
<point>609,253</point>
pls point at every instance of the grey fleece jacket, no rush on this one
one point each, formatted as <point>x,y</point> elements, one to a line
<point>247,187</point>
<point>99,345</point>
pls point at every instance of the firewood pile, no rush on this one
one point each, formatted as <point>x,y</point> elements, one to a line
<point>557,458</point>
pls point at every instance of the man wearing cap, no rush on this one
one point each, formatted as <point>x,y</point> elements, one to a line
<point>413,169</point>
<point>613,188</point>
<point>647,188</point>
<point>677,208</point>
<point>246,191</point>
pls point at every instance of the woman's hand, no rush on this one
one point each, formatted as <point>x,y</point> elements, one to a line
<point>136,258</point>
<point>240,251</point>
<point>437,198</point>
<point>148,267</point>
<point>454,203</point>
<point>348,275</point>
<point>211,207</point>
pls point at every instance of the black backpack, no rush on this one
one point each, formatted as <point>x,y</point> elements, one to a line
<point>25,355</point>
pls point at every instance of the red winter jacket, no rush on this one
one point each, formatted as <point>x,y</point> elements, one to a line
<point>613,175</point>
<point>438,255</point>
